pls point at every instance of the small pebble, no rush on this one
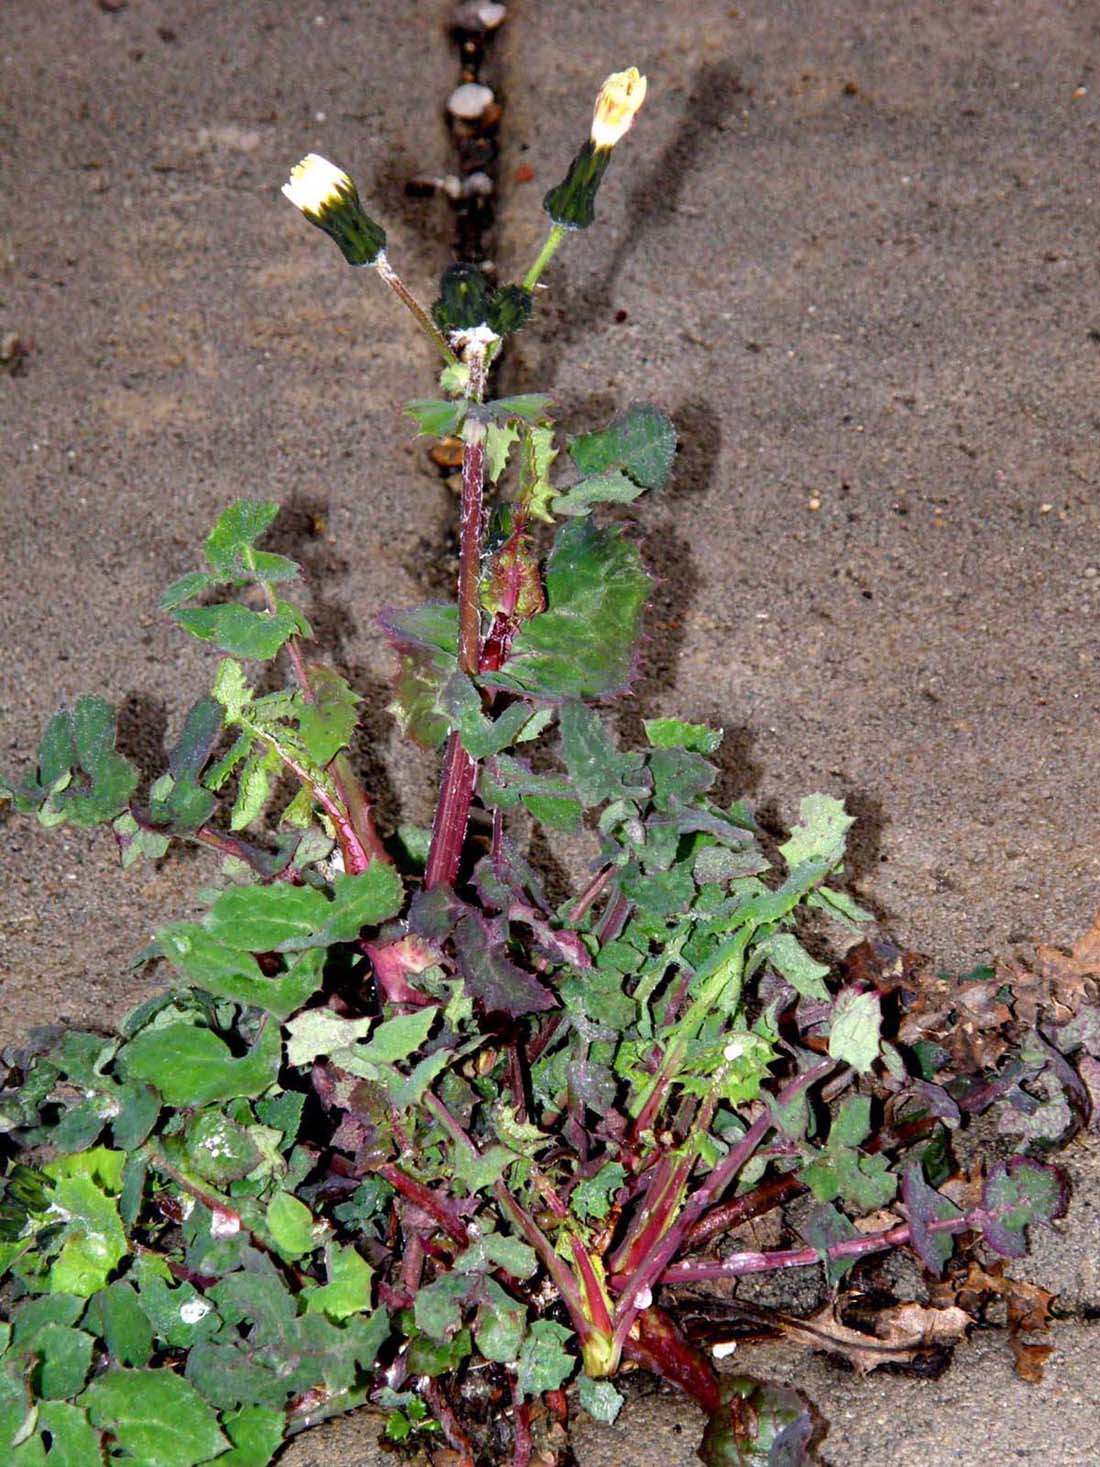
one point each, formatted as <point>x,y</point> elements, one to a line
<point>469,101</point>
<point>479,15</point>
<point>1091,572</point>
<point>1045,508</point>
<point>813,503</point>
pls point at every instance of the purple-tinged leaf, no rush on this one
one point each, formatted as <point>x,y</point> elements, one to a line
<point>491,978</point>
<point>433,913</point>
<point>1082,1031</point>
<point>583,645</point>
<point>196,743</point>
<point>1016,1196</point>
<point>426,641</point>
<point>825,1227</point>
<point>935,1101</point>
<point>760,1424</point>
<point>924,1205</point>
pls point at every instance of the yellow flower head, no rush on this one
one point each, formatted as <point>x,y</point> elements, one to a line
<point>620,98</point>
<point>328,198</point>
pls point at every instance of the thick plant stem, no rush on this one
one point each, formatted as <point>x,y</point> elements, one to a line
<point>459,770</point>
<point>639,1284</point>
<point>736,1265</point>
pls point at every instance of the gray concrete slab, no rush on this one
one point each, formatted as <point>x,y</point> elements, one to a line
<point>853,250</point>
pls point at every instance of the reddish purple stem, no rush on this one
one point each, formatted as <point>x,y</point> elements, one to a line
<point>692,1271</point>
<point>650,1271</point>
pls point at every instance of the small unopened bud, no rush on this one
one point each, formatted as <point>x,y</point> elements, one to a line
<point>464,296</point>
<point>328,198</point>
<point>509,309</point>
<point>572,203</point>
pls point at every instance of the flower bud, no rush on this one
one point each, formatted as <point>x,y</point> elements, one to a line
<point>509,309</point>
<point>621,95</point>
<point>572,203</point>
<point>328,198</point>
<point>464,296</point>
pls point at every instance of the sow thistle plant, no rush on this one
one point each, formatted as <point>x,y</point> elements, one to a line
<point>401,1132</point>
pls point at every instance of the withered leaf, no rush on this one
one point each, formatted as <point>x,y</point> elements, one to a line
<point>901,1333</point>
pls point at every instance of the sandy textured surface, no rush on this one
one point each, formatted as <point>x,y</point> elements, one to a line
<point>851,246</point>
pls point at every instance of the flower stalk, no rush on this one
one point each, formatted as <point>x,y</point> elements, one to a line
<point>459,770</point>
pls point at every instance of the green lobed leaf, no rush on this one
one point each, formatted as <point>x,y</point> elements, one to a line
<point>259,919</point>
<point>286,918</point>
<point>530,406</point>
<point>240,631</point>
<point>95,1242</point>
<point>640,441</point>
<point>854,1030</point>
<point>600,1399</point>
<point>583,645</point>
<point>228,973</point>
<point>349,1283</point>
<point>821,833</point>
<point>479,1171</point>
<point>85,780</point>
<point>438,419</point>
<point>398,1038</point>
<point>481,736</point>
<point>193,584</point>
<point>327,723</point>
<point>499,438</point>
<point>256,1433</point>
<point>610,488</point>
<point>118,1318</point>
<point>74,1441</point>
<point>590,1200</point>
<point>218,1149</point>
<point>290,1224</point>
<point>789,958</point>
<point>544,1363</point>
<point>63,1359</point>
<point>500,1324</point>
<point>318,1032</point>
<point>438,1306</point>
<point>200,733</point>
<point>235,533</point>
<point>192,1066</point>
<point>673,733</point>
<point>366,899</point>
<point>535,490</point>
<point>426,641</point>
<point>135,1405</point>
<point>596,768</point>
<point>231,690</point>
<point>18,1409</point>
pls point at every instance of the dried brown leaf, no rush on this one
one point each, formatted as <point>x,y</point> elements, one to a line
<point>1029,1359</point>
<point>917,1326</point>
<point>901,1334</point>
